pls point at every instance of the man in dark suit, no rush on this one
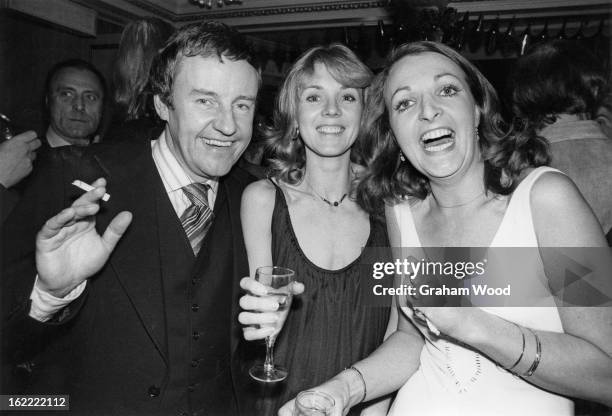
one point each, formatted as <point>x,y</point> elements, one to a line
<point>129,306</point>
<point>74,101</point>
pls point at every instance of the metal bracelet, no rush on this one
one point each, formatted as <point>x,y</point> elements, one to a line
<point>522,351</point>
<point>538,356</point>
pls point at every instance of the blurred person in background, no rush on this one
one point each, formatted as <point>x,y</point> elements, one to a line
<point>134,115</point>
<point>557,89</point>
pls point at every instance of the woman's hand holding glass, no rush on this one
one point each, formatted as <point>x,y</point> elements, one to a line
<point>260,312</point>
<point>277,286</point>
<point>337,389</point>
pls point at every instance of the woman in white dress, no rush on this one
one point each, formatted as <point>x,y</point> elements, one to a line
<point>449,176</point>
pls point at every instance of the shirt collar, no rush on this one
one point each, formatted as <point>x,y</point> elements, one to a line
<point>572,130</point>
<point>171,172</point>
<point>55,140</point>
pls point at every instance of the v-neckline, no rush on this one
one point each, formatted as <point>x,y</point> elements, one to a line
<point>303,254</point>
<point>495,235</point>
<point>529,179</point>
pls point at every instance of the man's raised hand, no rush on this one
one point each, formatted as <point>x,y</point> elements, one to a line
<point>68,247</point>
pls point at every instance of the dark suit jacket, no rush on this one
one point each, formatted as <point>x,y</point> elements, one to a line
<point>8,199</point>
<point>154,330</point>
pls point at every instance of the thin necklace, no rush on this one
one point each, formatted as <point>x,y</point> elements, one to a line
<point>328,202</point>
<point>462,204</point>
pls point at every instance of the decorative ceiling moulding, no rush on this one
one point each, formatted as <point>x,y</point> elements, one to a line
<point>154,9</point>
<point>209,4</point>
<point>309,25</point>
<point>318,8</point>
<point>121,11</point>
<point>333,14</point>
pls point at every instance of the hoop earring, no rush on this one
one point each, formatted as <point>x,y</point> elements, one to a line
<point>296,135</point>
<point>402,157</point>
<point>476,135</point>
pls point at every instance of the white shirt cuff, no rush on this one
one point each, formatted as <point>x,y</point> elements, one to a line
<point>44,305</point>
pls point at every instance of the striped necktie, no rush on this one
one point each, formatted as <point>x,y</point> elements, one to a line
<point>197,218</point>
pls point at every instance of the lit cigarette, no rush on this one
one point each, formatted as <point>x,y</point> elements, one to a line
<point>87,187</point>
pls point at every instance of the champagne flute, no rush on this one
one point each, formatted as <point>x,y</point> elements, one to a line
<point>279,281</point>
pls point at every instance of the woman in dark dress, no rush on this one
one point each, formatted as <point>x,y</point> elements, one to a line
<point>304,217</point>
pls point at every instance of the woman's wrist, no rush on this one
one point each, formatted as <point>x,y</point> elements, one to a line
<point>474,329</point>
<point>353,386</point>
<point>515,348</point>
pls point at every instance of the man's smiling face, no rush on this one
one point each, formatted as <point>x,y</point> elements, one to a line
<point>210,116</point>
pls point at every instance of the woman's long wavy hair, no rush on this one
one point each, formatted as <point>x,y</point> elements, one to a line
<point>288,156</point>
<point>388,180</point>
<point>140,42</point>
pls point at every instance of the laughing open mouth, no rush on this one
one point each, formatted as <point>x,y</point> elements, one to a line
<point>438,139</point>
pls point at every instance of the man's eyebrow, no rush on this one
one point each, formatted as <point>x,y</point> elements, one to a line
<point>71,88</point>
<point>199,91</point>
<point>245,97</point>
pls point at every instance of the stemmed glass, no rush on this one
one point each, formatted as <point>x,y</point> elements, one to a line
<point>279,281</point>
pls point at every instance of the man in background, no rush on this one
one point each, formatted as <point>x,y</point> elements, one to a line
<point>74,98</point>
<point>557,89</point>
<point>74,102</point>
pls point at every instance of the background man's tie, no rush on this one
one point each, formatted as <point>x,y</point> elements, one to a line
<point>197,218</point>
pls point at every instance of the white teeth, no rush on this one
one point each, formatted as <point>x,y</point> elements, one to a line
<point>434,134</point>
<point>330,129</point>
<point>213,142</point>
<point>438,147</point>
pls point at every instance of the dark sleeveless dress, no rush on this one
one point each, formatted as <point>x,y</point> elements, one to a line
<point>329,327</point>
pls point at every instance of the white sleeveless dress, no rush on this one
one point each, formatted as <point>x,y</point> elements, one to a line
<point>454,380</point>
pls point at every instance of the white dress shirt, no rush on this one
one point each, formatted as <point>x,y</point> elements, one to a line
<point>174,178</point>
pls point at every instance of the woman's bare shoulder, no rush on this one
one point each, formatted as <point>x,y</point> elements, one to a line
<point>259,193</point>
